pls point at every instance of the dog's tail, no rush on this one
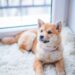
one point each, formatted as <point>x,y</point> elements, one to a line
<point>10,40</point>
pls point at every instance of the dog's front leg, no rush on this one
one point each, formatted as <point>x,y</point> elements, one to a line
<point>38,67</point>
<point>60,70</point>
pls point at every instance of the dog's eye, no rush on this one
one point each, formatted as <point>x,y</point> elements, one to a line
<point>41,30</point>
<point>49,32</point>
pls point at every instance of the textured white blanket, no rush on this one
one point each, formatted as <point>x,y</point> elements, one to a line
<point>13,62</point>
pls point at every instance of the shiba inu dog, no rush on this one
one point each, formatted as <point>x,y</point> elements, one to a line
<point>45,42</point>
<point>49,48</point>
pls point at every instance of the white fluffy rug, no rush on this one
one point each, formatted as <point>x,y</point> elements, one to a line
<point>13,62</point>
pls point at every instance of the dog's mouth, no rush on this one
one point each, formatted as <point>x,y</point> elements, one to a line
<point>45,41</point>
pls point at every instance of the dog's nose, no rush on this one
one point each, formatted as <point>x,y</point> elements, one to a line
<point>41,37</point>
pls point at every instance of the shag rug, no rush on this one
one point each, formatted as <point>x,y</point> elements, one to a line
<point>13,62</point>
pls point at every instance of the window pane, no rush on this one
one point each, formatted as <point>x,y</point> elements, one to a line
<point>14,12</point>
<point>3,2</point>
<point>38,10</point>
<point>38,2</point>
<point>9,12</point>
<point>48,2</point>
<point>13,2</point>
<point>1,12</point>
<point>23,12</point>
<point>26,2</point>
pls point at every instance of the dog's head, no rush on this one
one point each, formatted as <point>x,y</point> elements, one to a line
<point>49,33</point>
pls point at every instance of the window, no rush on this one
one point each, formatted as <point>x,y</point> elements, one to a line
<point>17,13</point>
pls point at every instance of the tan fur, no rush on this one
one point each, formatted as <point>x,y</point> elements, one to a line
<point>44,57</point>
<point>22,39</point>
<point>8,40</point>
<point>60,67</point>
<point>18,36</point>
<point>26,40</point>
<point>34,45</point>
<point>38,67</point>
<point>11,40</point>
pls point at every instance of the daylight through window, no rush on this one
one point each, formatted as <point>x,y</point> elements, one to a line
<point>23,12</point>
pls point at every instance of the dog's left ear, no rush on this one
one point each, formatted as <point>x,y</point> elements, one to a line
<point>40,23</point>
<point>59,26</point>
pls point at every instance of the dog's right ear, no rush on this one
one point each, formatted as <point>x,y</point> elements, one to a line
<point>40,23</point>
<point>59,26</point>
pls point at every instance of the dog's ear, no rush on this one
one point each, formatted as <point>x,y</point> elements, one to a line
<point>59,26</point>
<point>40,23</point>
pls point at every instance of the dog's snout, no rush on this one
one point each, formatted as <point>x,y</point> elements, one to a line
<point>41,37</point>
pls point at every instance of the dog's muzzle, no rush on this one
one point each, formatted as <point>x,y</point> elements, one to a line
<point>43,40</point>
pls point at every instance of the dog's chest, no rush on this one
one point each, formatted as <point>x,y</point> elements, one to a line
<point>48,56</point>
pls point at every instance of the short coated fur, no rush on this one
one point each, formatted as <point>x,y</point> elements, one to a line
<point>49,48</point>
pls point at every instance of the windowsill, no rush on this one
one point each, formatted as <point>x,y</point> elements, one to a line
<point>13,31</point>
<point>16,29</point>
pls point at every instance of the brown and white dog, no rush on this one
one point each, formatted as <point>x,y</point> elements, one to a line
<point>45,42</point>
<point>49,48</point>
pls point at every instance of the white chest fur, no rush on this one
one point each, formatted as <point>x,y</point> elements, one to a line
<point>48,56</point>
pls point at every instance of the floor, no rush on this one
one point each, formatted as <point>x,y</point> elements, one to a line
<point>13,62</point>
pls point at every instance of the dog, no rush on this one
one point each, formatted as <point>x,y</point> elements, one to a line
<point>49,48</point>
<point>45,42</point>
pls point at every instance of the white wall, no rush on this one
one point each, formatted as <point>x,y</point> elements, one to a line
<point>60,11</point>
<point>71,20</point>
